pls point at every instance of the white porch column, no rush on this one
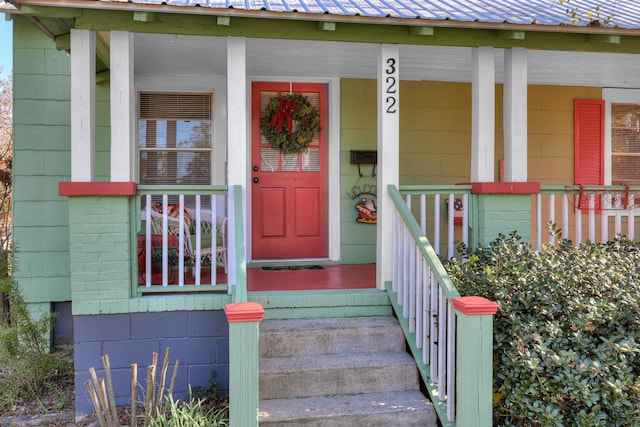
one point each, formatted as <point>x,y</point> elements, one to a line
<point>483,115</point>
<point>388,156</point>
<point>515,115</point>
<point>237,111</point>
<point>83,106</point>
<point>122,107</point>
<point>237,132</point>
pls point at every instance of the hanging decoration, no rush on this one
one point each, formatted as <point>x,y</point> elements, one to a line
<point>290,122</point>
<point>367,211</point>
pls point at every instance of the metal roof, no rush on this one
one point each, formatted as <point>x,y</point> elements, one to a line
<point>6,7</point>
<point>608,13</point>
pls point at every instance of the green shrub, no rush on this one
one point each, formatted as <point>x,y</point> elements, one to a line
<point>28,369</point>
<point>208,392</point>
<point>567,334</point>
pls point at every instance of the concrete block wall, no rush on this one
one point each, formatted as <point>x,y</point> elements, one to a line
<point>100,248</point>
<point>502,213</point>
<point>41,115</point>
<point>198,339</point>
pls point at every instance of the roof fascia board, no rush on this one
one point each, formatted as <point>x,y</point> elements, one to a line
<point>231,12</point>
<point>206,25</point>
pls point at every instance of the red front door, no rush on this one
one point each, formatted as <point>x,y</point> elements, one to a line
<point>289,191</point>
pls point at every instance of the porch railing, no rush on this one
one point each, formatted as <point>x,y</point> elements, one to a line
<point>442,212</point>
<point>581,213</point>
<point>423,297</point>
<point>184,242</point>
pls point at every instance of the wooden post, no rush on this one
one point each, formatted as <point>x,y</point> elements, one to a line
<point>244,318</point>
<point>83,106</point>
<point>483,131</point>
<point>515,115</point>
<point>123,107</point>
<point>474,361</point>
<point>388,156</point>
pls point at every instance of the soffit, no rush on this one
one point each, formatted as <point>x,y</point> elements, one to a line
<point>157,54</point>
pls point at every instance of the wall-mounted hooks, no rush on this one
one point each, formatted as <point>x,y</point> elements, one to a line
<point>359,157</point>
<point>366,158</point>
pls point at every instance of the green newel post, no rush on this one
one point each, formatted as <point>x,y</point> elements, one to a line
<point>244,320</point>
<point>474,361</point>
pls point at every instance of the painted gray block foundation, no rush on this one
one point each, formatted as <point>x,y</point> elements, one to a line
<point>63,327</point>
<point>199,339</point>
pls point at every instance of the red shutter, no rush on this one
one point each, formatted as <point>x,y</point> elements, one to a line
<point>589,141</point>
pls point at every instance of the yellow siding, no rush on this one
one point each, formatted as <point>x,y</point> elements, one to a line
<point>551,131</point>
<point>435,132</point>
<point>435,129</point>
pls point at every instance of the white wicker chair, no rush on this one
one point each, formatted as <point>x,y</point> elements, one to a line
<point>206,254</point>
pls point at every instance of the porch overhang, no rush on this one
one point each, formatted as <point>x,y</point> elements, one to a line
<point>57,18</point>
<point>475,16</point>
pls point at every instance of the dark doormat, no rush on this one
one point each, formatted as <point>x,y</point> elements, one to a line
<point>293,268</point>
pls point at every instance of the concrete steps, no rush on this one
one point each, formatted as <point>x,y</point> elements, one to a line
<point>340,371</point>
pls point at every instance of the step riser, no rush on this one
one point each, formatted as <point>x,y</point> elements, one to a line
<point>335,341</point>
<point>330,336</point>
<point>338,381</point>
<point>395,409</point>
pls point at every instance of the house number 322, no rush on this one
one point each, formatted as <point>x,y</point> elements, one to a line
<point>391,86</point>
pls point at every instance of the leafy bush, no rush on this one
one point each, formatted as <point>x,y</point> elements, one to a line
<point>567,334</point>
<point>208,392</point>
<point>28,369</point>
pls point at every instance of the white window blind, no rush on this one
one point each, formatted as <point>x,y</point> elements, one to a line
<point>625,144</point>
<point>174,134</point>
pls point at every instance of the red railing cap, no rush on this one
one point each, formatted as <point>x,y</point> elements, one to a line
<point>97,188</point>
<point>475,305</point>
<point>244,312</point>
<point>505,187</point>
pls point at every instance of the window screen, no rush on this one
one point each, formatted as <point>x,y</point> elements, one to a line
<point>174,134</point>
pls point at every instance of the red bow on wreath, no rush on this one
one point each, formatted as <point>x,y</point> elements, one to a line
<point>286,111</point>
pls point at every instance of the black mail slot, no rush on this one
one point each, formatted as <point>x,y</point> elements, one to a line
<point>359,157</point>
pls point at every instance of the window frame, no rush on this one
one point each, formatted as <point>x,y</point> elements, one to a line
<point>216,84</point>
<point>614,96</point>
<point>210,150</point>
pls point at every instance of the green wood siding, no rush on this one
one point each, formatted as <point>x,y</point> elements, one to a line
<point>358,132</point>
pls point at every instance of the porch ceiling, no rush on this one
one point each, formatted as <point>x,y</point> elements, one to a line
<point>199,55</point>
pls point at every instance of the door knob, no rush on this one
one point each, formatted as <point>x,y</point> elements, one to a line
<point>256,180</point>
<point>256,168</point>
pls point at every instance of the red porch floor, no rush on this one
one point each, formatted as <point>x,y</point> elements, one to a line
<point>347,276</point>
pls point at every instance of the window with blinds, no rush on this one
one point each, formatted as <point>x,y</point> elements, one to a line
<point>625,144</point>
<point>174,134</point>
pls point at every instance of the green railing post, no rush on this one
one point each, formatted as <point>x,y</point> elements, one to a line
<point>244,320</point>
<point>474,361</point>
<point>240,289</point>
